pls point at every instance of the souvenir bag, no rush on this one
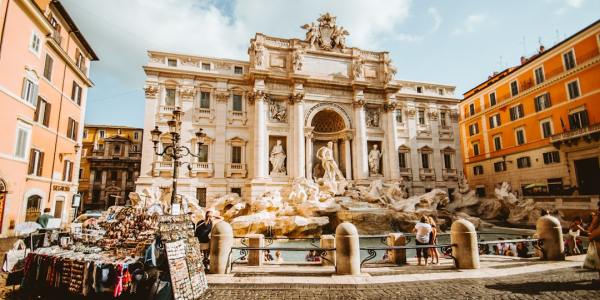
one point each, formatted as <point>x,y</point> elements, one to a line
<point>592,261</point>
<point>14,256</point>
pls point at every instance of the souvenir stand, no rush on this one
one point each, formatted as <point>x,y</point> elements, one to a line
<point>127,254</point>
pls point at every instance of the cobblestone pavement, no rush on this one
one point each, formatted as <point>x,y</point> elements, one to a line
<point>568,283</point>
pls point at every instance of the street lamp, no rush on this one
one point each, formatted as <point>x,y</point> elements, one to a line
<point>174,150</point>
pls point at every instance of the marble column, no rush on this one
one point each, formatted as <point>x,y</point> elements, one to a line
<point>309,157</point>
<point>360,143</point>
<point>392,147</point>
<point>348,158</point>
<point>299,170</point>
<point>219,148</point>
<point>260,131</point>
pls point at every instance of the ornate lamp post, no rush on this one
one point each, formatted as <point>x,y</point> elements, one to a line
<point>175,150</point>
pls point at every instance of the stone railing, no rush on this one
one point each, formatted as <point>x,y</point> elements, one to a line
<point>204,113</point>
<point>233,115</point>
<point>426,173</point>
<point>405,171</point>
<point>202,167</point>
<point>449,173</point>
<point>343,249</point>
<point>166,109</point>
<point>161,166</point>
<point>235,168</point>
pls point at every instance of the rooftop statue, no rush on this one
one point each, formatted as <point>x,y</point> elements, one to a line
<point>327,35</point>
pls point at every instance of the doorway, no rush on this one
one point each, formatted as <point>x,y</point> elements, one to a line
<point>587,171</point>
<point>58,207</point>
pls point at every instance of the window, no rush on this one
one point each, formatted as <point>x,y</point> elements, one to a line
<point>471,109</point>
<point>399,116</point>
<point>117,149</point>
<point>76,93</point>
<point>542,102</point>
<point>36,161</point>
<point>578,119</point>
<point>516,112</point>
<point>447,160</point>
<point>475,149</point>
<point>101,134</point>
<point>497,142</point>
<point>204,99</point>
<point>172,62</point>
<point>546,127</point>
<point>236,154</point>
<point>22,140</point>
<point>443,119</point>
<point>85,134</point>
<point>551,157</point>
<point>68,171</point>
<point>480,191</point>
<point>500,166</point>
<point>80,173</point>
<point>136,135</point>
<point>201,196</point>
<point>80,60</point>
<point>495,121</point>
<point>492,97</point>
<point>514,88</point>
<point>113,175</point>
<point>473,129</point>
<point>30,91</point>
<point>48,67</point>
<point>573,89</point>
<point>42,112</point>
<point>170,97</point>
<point>402,160</point>
<point>206,66</point>
<point>35,43</point>
<point>237,191</point>
<point>539,75</point>
<point>478,170</point>
<point>419,89</point>
<point>237,103</point>
<point>520,134</point>
<point>72,129</point>
<point>523,162</point>
<point>441,92</point>
<point>569,60</point>
<point>425,160</point>
<point>421,117</point>
<point>203,153</point>
<point>238,70</point>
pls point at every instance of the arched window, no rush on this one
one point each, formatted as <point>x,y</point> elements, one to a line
<point>33,208</point>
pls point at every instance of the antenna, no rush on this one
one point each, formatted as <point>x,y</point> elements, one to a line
<point>539,40</point>
<point>557,36</point>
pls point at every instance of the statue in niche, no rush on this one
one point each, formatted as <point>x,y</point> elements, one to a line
<point>333,180</point>
<point>374,158</point>
<point>297,60</point>
<point>277,159</point>
<point>277,111</point>
<point>373,118</point>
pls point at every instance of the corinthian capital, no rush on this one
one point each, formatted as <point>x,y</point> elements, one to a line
<point>257,95</point>
<point>296,97</point>
<point>151,91</point>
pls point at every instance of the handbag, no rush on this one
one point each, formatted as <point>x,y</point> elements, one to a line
<point>592,261</point>
<point>14,256</point>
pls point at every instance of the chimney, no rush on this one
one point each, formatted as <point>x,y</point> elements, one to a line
<point>542,48</point>
<point>523,59</point>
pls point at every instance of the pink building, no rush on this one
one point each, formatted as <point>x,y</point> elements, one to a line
<point>44,62</point>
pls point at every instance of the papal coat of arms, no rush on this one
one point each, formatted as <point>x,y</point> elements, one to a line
<point>326,35</point>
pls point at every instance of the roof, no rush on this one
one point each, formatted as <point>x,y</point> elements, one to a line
<point>74,29</point>
<point>110,126</point>
<point>535,57</point>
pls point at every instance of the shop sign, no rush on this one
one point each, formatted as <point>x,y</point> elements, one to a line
<point>61,188</point>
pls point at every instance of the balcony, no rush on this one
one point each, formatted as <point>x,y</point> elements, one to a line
<point>233,115</point>
<point>55,35</point>
<point>166,110</point>
<point>588,133</point>
<point>426,174</point>
<point>161,166</point>
<point>449,174</point>
<point>202,168</point>
<point>235,168</point>
<point>204,113</point>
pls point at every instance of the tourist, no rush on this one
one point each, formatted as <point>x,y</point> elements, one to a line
<point>202,232</point>
<point>522,250</point>
<point>506,249</point>
<point>310,256</point>
<point>268,256</point>
<point>43,219</point>
<point>594,237</point>
<point>422,231</point>
<point>433,252</point>
<point>484,249</point>
<point>575,230</point>
<point>278,257</point>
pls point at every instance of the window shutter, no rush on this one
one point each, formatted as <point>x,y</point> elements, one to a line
<point>34,95</point>
<point>584,119</point>
<point>572,121</point>
<point>69,128</point>
<point>47,114</point>
<point>548,101</point>
<point>70,171</point>
<point>36,116</point>
<point>75,130</point>
<point>31,161</point>
<point>24,89</point>
<point>79,95</point>
<point>40,164</point>
<point>73,91</point>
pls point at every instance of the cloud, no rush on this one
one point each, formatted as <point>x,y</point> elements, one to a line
<point>567,5</point>
<point>437,18</point>
<point>574,3</point>
<point>470,24</point>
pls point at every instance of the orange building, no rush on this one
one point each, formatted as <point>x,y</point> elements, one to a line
<point>537,125</point>
<point>44,61</point>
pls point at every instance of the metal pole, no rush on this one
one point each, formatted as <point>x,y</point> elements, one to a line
<point>175,167</point>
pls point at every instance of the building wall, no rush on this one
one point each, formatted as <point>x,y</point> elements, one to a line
<point>585,45</point>
<point>17,61</point>
<point>98,160</point>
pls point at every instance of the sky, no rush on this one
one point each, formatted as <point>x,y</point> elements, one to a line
<point>459,43</point>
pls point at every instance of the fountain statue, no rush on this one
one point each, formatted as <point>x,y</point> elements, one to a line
<point>332,181</point>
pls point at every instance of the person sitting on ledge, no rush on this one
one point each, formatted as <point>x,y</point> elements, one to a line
<point>422,230</point>
<point>268,256</point>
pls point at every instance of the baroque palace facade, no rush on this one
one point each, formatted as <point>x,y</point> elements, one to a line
<point>266,118</point>
<point>537,125</point>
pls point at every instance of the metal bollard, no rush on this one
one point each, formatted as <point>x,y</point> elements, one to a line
<point>549,231</point>
<point>220,246</point>
<point>347,250</point>
<point>465,249</point>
